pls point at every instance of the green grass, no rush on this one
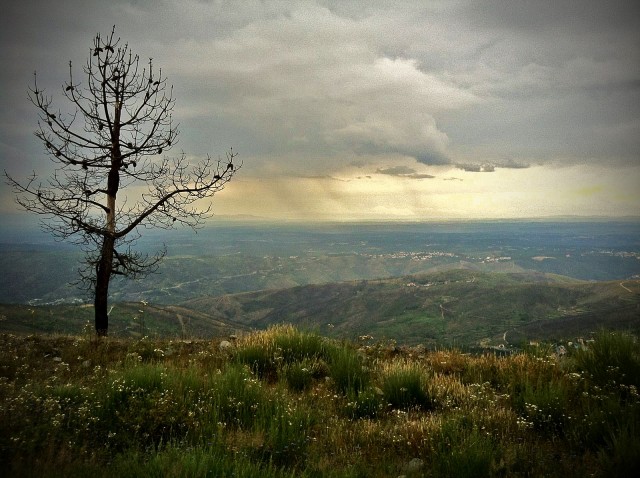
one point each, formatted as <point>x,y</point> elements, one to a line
<point>285,402</point>
<point>348,371</point>
<point>404,386</point>
<point>612,358</point>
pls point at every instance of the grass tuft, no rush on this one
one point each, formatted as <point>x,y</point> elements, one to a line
<point>404,386</point>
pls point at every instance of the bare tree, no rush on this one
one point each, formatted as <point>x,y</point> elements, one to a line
<point>112,137</point>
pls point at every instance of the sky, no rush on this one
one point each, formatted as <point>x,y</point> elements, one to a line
<point>366,110</point>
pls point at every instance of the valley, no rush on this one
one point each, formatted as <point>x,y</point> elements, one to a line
<point>460,284</point>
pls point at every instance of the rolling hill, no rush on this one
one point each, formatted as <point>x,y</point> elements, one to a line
<point>455,307</point>
<point>126,319</point>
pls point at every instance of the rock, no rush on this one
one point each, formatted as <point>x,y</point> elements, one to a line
<point>225,345</point>
<point>414,465</point>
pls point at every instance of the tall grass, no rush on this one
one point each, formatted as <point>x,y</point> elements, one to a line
<point>267,352</point>
<point>464,453</point>
<point>291,403</point>
<point>404,386</point>
<point>347,370</point>
<point>611,358</point>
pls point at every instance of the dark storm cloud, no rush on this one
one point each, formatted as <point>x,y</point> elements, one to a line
<point>587,16</point>
<point>310,86</point>
<point>560,79</point>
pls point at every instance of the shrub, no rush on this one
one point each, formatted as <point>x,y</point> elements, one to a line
<point>295,346</point>
<point>131,410</point>
<point>267,352</point>
<point>287,431</point>
<point>176,462</point>
<point>260,358</point>
<point>621,457</point>
<point>204,413</point>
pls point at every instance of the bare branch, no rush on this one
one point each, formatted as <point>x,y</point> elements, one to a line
<point>113,136</point>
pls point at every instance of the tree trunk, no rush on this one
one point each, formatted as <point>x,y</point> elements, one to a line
<point>103,275</point>
<point>105,265</point>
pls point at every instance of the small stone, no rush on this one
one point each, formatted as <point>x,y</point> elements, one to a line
<point>57,359</point>
<point>86,363</point>
<point>225,345</point>
<point>415,464</point>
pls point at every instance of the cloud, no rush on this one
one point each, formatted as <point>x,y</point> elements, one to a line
<point>477,168</point>
<point>325,177</point>
<point>307,80</point>
<point>588,191</point>
<point>485,167</point>
<point>396,171</point>
<point>512,164</point>
<point>506,193</point>
<point>314,88</point>
<point>310,81</point>
<point>403,172</point>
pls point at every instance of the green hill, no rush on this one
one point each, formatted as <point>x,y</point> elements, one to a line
<point>456,307</point>
<point>126,319</point>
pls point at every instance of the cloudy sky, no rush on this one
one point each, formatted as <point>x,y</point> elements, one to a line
<point>369,109</point>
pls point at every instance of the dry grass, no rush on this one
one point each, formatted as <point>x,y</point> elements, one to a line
<point>287,403</point>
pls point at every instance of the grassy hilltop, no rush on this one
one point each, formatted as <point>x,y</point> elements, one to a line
<point>283,402</point>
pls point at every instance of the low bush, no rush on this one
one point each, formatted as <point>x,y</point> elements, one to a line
<point>236,396</point>
<point>269,351</point>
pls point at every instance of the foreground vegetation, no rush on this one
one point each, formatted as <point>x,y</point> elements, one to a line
<point>283,402</point>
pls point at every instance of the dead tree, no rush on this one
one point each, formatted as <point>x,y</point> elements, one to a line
<point>111,177</point>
